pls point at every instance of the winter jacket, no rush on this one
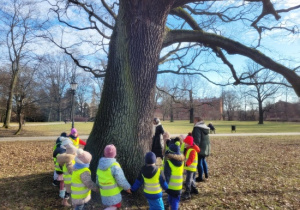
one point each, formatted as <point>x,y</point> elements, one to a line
<point>157,147</point>
<point>118,174</point>
<point>66,159</point>
<point>201,138</point>
<point>87,181</point>
<point>192,154</point>
<point>176,160</point>
<point>148,171</point>
<point>81,142</point>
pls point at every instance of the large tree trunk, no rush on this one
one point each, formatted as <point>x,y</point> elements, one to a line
<point>10,99</point>
<point>125,113</point>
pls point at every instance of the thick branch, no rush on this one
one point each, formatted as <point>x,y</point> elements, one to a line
<point>190,20</point>
<point>233,47</point>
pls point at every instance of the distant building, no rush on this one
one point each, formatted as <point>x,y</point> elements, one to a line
<point>283,111</point>
<point>208,108</point>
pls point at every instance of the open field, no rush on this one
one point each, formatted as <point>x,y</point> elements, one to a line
<point>244,173</point>
<point>177,127</point>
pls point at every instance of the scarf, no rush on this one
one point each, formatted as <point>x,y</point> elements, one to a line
<point>81,165</point>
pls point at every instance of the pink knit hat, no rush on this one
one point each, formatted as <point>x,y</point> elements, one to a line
<point>110,151</point>
<point>83,157</point>
<point>73,131</point>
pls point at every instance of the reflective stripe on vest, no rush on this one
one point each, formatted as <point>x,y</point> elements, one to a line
<point>78,189</point>
<point>152,185</point>
<point>66,175</point>
<point>75,142</point>
<point>108,184</point>
<point>176,178</point>
<point>193,166</point>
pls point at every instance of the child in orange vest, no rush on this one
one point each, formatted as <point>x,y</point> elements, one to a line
<point>191,162</point>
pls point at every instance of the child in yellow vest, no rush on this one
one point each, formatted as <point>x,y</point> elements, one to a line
<point>66,161</point>
<point>111,179</point>
<point>173,170</point>
<point>81,182</point>
<point>191,162</point>
<point>153,179</point>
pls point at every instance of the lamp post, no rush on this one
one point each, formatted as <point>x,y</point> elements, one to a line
<point>73,89</point>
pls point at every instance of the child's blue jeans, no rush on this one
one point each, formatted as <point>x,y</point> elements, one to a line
<point>174,202</point>
<point>156,204</point>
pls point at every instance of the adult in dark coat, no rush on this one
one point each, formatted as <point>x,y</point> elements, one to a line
<point>201,139</point>
<point>157,147</point>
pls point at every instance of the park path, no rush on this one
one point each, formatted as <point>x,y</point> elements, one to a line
<point>84,137</point>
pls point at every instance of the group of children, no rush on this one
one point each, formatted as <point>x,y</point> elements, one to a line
<point>74,176</point>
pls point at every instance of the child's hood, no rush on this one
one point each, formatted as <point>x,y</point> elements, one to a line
<point>148,171</point>
<point>195,147</point>
<point>175,159</point>
<point>105,163</point>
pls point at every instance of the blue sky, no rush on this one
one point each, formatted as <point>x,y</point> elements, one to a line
<point>283,47</point>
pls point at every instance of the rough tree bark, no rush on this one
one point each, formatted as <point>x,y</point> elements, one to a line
<point>126,109</point>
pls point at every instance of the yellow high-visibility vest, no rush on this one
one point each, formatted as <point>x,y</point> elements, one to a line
<point>176,178</point>
<point>152,185</point>
<point>108,184</point>
<point>56,164</point>
<point>66,175</point>
<point>182,148</point>
<point>193,166</point>
<point>78,189</point>
<point>75,142</point>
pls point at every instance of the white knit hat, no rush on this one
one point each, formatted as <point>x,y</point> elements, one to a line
<point>83,157</point>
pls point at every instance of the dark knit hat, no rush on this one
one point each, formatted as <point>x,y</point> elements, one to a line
<point>150,158</point>
<point>174,148</point>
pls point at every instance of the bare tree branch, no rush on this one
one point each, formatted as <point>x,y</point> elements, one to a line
<point>233,47</point>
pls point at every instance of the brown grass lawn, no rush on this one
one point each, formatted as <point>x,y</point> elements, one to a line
<point>245,173</point>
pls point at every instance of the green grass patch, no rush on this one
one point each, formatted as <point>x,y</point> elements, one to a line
<point>177,127</point>
<point>183,127</point>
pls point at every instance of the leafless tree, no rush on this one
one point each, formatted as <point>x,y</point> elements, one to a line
<point>134,33</point>
<point>231,103</point>
<point>56,74</point>
<point>261,89</point>
<point>19,21</point>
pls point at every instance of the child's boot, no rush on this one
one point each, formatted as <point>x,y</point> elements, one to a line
<point>65,202</point>
<point>186,195</point>
<point>194,191</point>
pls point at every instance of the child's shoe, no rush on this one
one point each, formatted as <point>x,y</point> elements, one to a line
<point>186,196</point>
<point>194,191</point>
<point>65,202</point>
<point>199,179</point>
